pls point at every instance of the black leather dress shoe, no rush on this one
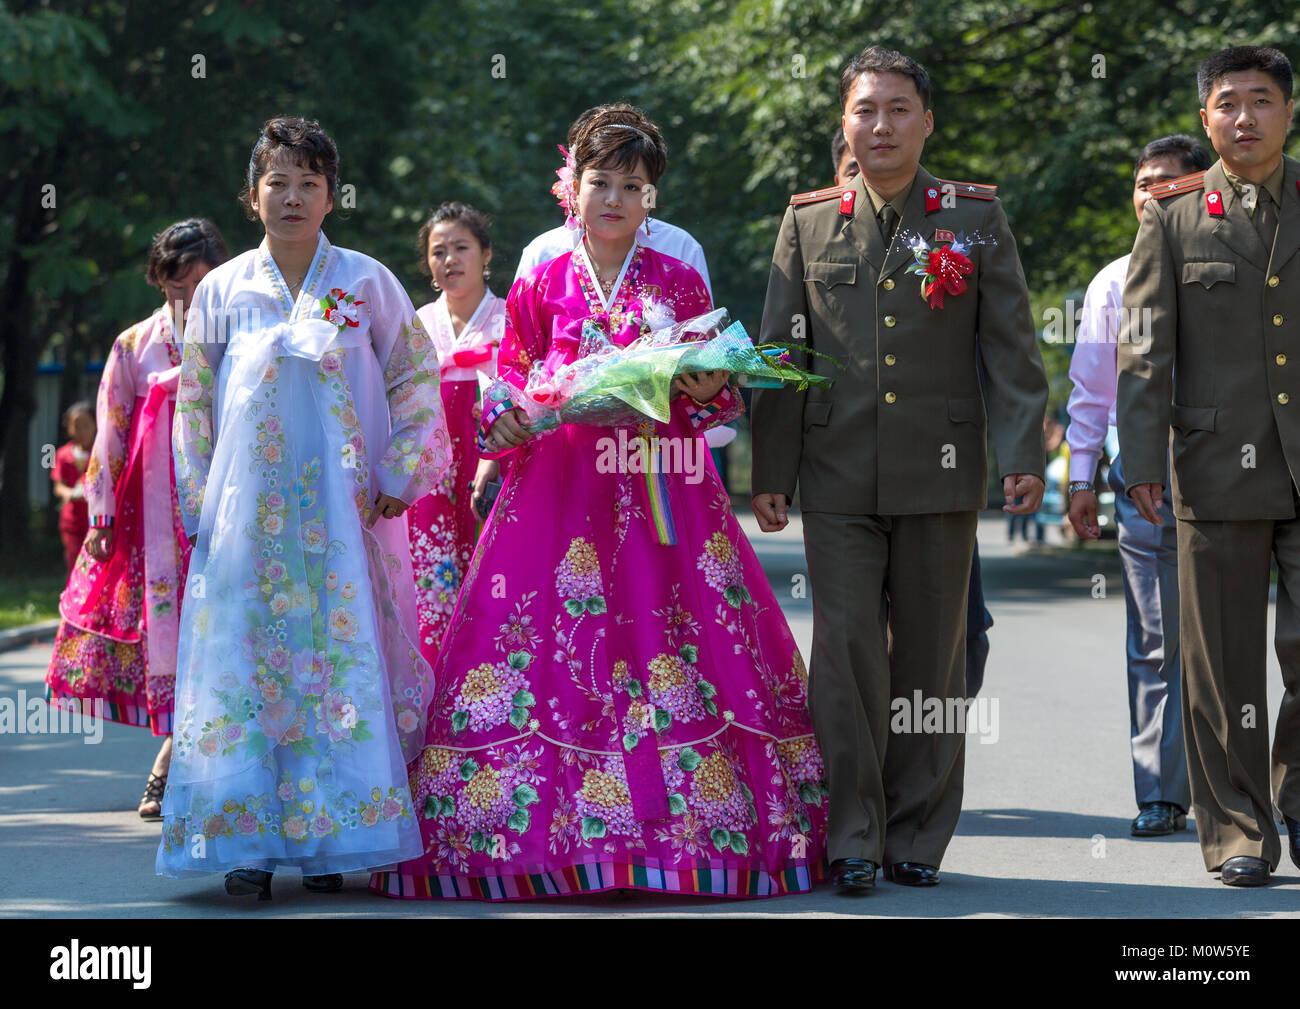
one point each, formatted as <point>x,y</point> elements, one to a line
<point>1293,837</point>
<point>241,882</point>
<point>912,874</point>
<point>323,884</point>
<point>1157,819</point>
<point>1244,870</point>
<point>853,875</point>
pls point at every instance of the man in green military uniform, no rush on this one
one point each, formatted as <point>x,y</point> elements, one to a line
<point>1211,342</point>
<point>890,460</point>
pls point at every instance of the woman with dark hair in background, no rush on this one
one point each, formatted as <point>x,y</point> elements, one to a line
<point>465,324</point>
<point>117,642</point>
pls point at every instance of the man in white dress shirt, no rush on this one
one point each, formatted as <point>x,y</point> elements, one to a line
<point>1148,553</point>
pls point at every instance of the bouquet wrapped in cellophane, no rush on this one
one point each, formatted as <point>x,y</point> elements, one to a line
<point>609,385</point>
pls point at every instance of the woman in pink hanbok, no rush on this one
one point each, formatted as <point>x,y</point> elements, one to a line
<point>619,702</point>
<point>465,324</point>
<point>116,644</point>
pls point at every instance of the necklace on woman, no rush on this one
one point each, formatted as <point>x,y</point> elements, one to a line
<point>606,285</point>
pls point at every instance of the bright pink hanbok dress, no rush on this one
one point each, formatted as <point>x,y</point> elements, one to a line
<point>443,523</point>
<point>619,702</point>
<point>117,642</point>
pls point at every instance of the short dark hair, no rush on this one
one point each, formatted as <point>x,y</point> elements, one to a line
<point>80,406</point>
<point>309,146</point>
<point>179,246</point>
<point>452,210</point>
<point>879,60</point>
<point>1194,157</point>
<point>618,136</point>
<point>1230,61</point>
<point>838,146</point>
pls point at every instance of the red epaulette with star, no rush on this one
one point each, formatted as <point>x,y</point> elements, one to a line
<point>1187,184</point>
<point>975,190</point>
<point>816,196</point>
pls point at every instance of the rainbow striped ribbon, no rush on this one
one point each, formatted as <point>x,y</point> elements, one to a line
<point>656,488</point>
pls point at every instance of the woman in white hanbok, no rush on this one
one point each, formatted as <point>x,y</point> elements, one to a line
<point>308,418</point>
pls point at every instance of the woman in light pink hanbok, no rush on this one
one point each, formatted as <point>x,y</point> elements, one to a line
<point>117,641</point>
<point>308,420</point>
<point>465,324</point>
<point>619,702</point>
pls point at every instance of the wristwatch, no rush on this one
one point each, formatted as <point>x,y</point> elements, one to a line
<point>1078,485</point>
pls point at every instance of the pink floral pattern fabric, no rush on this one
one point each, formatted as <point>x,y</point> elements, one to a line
<point>611,711</point>
<point>115,646</point>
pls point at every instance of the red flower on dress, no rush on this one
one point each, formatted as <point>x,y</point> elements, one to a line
<point>340,309</point>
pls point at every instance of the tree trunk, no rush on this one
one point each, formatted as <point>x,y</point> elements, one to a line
<point>21,349</point>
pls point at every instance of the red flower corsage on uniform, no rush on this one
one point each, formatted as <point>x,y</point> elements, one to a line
<point>943,269</point>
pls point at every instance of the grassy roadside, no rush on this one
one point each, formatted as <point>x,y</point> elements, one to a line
<point>26,597</point>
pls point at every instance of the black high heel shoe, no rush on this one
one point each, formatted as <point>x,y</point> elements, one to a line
<point>323,884</point>
<point>241,882</point>
<point>153,792</point>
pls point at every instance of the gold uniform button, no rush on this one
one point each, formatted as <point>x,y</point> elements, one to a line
<point>1274,280</point>
<point>890,360</point>
<point>1281,359</point>
<point>890,397</point>
<point>1277,320</point>
<point>890,320</point>
<point>888,283</point>
<point>1283,398</point>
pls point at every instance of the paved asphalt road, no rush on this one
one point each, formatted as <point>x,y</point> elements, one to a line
<point>1044,831</point>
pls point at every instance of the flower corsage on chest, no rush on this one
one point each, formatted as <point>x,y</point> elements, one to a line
<point>943,267</point>
<point>340,309</point>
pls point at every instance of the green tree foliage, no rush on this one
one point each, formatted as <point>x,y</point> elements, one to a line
<point>138,115</point>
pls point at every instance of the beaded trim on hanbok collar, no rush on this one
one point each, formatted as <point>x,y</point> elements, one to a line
<point>294,310</point>
<point>623,287</point>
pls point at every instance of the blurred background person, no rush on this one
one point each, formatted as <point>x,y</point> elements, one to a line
<point>1148,553</point>
<point>118,637</point>
<point>69,467</point>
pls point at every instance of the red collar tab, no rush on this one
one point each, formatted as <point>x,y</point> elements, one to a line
<point>846,202</point>
<point>931,199</point>
<point>1214,203</point>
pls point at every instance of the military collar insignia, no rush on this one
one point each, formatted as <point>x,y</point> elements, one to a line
<point>1214,203</point>
<point>846,202</point>
<point>931,199</point>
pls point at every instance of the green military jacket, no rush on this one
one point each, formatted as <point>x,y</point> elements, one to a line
<point>902,430</point>
<point>1210,345</point>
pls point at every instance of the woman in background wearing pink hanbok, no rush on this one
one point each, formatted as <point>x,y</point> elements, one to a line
<point>465,324</point>
<point>117,641</point>
<point>619,702</point>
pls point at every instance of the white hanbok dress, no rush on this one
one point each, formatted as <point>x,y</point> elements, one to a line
<point>300,690</point>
